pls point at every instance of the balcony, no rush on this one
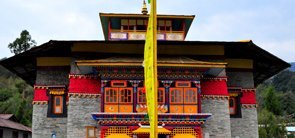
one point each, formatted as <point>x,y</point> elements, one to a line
<point>141,35</point>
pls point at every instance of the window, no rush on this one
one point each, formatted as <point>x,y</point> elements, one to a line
<point>176,95</point>
<point>164,25</point>
<point>190,96</point>
<point>90,132</point>
<point>25,135</point>
<point>133,24</point>
<point>58,104</point>
<point>118,99</point>
<point>14,134</point>
<point>125,95</point>
<point>183,100</point>
<point>141,96</point>
<point>234,106</point>
<point>111,95</point>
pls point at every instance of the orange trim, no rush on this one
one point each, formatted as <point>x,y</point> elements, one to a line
<point>59,107</point>
<point>182,84</point>
<point>117,83</point>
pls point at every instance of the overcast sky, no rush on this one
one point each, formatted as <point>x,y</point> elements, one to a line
<point>269,23</point>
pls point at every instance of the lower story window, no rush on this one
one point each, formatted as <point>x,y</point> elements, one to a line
<point>234,107</point>
<point>90,132</point>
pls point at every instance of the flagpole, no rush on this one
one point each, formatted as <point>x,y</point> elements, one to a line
<point>150,70</point>
<point>154,14</point>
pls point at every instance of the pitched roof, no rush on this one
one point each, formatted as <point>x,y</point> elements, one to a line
<point>5,122</point>
<point>6,116</point>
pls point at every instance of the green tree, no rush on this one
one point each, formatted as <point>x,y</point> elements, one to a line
<point>270,125</point>
<point>271,101</point>
<point>22,44</point>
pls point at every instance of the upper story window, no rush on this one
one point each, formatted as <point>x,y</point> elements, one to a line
<point>183,98</point>
<point>121,96</point>
<point>164,25</point>
<point>141,96</point>
<point>57,102</point>
<point>133,24</point>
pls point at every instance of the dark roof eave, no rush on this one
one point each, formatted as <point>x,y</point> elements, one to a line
<point>64,48</point>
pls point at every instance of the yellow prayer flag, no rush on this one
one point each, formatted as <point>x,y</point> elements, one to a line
<point>150,70</point>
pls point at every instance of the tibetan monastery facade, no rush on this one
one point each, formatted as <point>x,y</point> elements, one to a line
<point>95,88</point>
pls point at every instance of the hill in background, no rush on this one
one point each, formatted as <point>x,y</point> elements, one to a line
<point>292,68</point>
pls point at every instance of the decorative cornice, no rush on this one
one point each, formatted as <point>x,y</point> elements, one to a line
<point>215,97</point>
<point>214,79</point>
<point>40,87</point>
<point>83,95</point>
<point>39,102</point>
<point>249,105</point>
<point>78,76</point>
<point>248,90</point>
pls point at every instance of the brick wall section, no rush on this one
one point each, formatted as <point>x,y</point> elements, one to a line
<point>218,125</point>
<point>246,127</point>
<point>43,127</point>
<point>79,115</point>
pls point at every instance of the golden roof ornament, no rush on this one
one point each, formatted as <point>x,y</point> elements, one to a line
<point>144,10</point>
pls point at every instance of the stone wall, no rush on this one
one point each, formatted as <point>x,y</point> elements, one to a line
<point>79,115</point>
<point>240,79</point>
<point>53,76</point>
<point>218,125</point>
<point>43,127</point>
<point>247,126</point>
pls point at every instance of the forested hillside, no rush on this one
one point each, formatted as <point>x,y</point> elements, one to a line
<point>276,104</point>
<point>15,97</point>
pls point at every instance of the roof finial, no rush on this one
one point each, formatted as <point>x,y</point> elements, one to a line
<point>144,9</point>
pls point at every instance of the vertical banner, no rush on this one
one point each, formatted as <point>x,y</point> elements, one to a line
<point>150,70</point>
